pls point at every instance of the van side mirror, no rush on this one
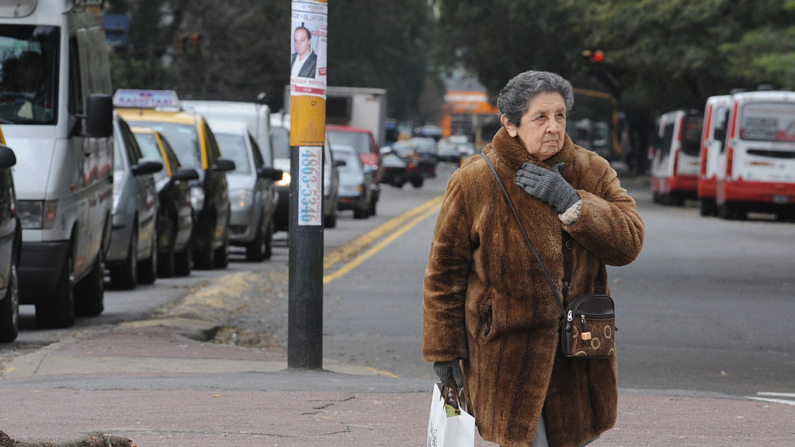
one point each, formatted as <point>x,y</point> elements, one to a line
<point>147,167</point>
<point>99,116</point>
<point>270,173</point>
<point>224,165</point>
<point>7,157</point>
<point>185,174</point>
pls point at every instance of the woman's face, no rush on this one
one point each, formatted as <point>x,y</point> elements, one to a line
<point>542,129</point>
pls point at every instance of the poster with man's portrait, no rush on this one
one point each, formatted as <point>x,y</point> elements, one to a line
<point>308,42</point>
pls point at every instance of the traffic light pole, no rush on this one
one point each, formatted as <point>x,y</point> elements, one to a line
<point>307,138</point>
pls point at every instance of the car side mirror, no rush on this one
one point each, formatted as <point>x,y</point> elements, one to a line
<point>340,163</point>
<point>385,150</point>
<point>7,157</point>
<point>185,174</point>
<point>270,173</point>
<point>99,116</point>
<point>224,165</point>
<point>147,167</point>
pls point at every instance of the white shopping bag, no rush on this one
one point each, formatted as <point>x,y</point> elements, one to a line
<point>445,427</point>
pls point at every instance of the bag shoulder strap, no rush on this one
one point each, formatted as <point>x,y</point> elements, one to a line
<point>524,233</point>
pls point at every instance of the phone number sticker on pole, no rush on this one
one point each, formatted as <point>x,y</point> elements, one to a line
<point>310,185</point>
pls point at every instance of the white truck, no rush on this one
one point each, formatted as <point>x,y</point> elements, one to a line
<point>57,113</point>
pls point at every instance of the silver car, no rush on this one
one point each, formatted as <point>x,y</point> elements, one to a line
<point>132,257</point>
<point>251,186</point>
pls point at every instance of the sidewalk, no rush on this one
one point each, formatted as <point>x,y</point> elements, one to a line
<point>151,383</point>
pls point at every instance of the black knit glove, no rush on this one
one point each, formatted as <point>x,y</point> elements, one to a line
<point>547,185</point>
<point>446,369</point>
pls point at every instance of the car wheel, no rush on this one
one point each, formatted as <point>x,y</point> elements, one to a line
<point>360,212</point>
<point>183,261</point>
<point>148,267</point>
<point>269,240</point>
<point>9,308</point>
<point>166,260</point>
<point>90,291</point>
<point>330,221</point>
<point>58,311</point>
<point>222,253</point>
<point>255,251</point>
<point>205,259</point>
<point>125,276</point>
<point>372,209</point>
<point>417,182</point>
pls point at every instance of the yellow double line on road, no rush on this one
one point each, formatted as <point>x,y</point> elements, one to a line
<point>396,226</point>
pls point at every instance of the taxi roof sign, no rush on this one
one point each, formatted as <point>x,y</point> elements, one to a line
<point>145,99</point>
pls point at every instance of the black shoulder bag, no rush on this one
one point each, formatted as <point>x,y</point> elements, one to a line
<point>587,325</point>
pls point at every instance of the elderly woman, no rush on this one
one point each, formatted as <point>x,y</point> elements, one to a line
<point>487,305</point>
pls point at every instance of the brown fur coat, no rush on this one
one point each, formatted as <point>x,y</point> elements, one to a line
<point>486,300</point>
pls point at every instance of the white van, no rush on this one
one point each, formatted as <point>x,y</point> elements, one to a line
<point>756,170</point>
<point>712,138</point>
<point>57,114</point>
<point>675,161</point>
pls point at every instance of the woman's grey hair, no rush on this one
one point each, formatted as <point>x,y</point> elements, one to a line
<point>515,97</point>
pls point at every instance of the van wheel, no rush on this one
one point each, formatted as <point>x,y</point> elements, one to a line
<point>148,267</point>
<point>90,291</point>
<point>706,207</point>
<point>59,310</point>
<point>255,251</point>
<point>183,261</point>
<point>9,309</point>
<point>125,276</point>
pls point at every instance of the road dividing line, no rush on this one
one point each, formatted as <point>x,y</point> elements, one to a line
<point>353,248</point>
<point>764,393</point>
<point>429,208</point>
<point>775,401</point>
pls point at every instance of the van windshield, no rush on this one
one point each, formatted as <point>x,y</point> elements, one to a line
<point>183,139</point>
<point>29,71</point>
<point>691,134</point>
<point>768,122</point>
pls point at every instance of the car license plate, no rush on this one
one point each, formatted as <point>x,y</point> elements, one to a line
<point>780,199</point>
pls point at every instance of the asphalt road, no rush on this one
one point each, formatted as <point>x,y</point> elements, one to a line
<point>706,307</point>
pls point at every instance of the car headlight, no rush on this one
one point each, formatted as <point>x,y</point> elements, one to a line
<point>36,214</point>
<point>242,198</point>
<point>285,181</point>
<point>197,198</point>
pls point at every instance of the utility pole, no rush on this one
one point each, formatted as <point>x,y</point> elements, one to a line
<point>307,137</point>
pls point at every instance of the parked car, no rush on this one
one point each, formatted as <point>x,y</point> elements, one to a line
<point>355,182</point>
<point>403,165</point>
<point>196,147</point>
<point>10,243</point>
<point>62,136</point>
<point>363,141</point>
<point>175,220</point>
<point>280,123</point>
<point>250,187</point>
<point>448,151</point>
<point>132,258</point>
<point>426,150</point>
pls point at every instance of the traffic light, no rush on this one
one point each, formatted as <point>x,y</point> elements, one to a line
<point>182,44</point>
<point>595,58</point>
<point>195,42</point>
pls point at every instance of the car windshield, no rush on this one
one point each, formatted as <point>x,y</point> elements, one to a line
<point>183,138</point>
<point>403,149</point>
<point>233,147</point>
<point>352,163</point>
<point>357,140</point>
<point>151,150</point>
<point>281,142</point>
<point>29,70</point>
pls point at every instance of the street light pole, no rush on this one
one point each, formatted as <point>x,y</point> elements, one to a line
<point>307,137</point>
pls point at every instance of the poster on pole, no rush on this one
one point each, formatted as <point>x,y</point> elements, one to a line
<point>308,48</point>
<point>310,185</point>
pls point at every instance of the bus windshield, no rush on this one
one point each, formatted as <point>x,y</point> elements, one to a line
<point>768,121</point>
<point>691,134</point>
<point>29,71</point>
